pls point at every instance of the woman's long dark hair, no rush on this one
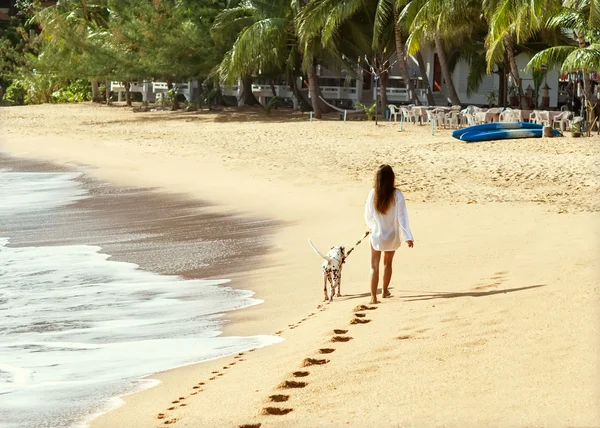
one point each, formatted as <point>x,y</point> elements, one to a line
<point>385,185</point>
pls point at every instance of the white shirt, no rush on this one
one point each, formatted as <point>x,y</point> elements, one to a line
<point>385,228</point>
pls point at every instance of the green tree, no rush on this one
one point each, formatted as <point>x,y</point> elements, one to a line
<point>579,21</point>
<point>513,23</point>
<point>441,22</point>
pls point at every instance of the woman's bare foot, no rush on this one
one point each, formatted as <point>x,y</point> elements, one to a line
<point>374,300</point>
<point>386,294</point>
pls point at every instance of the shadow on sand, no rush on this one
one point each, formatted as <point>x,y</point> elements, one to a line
<point>444,294</point>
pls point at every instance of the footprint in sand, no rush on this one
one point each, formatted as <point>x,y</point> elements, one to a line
<point>359,321</point>
<point>171,421</point>
<point>341,338</point>
<point>250,426</point>
<point>276,411</point>
<point>212,378</point>
<point>278,332</point>
<point>175,402</point>
<point>340,331</point>
<point>196,387</point>
<point>474,343</point>
<point>360,315</point>
<point>278,398</point>
<point>314,362</point>
<point>171,408</point>
<point>404,337</point>
<point>215,372</point>
<point>194,393</point>
<point>220,374</point>
<point>289,384</point>
<point>160,416</point>
<point>364,308</point>
<point>301,374</point>
<point>232,364</point>
<point>326,350</point>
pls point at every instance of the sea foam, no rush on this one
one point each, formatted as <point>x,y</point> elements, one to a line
<point>78,329</point>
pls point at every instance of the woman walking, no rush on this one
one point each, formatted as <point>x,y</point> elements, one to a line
<point>386,217</point>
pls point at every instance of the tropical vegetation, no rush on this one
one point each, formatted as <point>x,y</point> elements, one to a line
<point>70,50</point>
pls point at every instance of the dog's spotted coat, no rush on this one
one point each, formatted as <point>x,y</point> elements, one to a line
<point>332,271</point>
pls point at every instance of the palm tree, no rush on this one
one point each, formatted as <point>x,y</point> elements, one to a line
<point>265,42</point>
<point>513,22</point>
<point>71,50</point>
<point>389,10</point>
<point>437,22</point>
<point>577,19</point>
<point>318,26</point>
<point>353,29</point>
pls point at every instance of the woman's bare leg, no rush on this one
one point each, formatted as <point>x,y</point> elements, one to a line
<point>375,258</point>
<point>388,256</point>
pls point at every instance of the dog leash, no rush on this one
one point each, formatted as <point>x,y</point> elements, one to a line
<point>355,245</point>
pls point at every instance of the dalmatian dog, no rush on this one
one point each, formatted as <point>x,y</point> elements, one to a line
<point>332,269</point>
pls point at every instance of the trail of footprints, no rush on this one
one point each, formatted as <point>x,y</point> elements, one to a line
<point>320,308</point>
<point>165,417</point>
<point>300,376</point>
<point>494,281</point>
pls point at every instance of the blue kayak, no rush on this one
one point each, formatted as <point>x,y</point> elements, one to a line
<point>504,134</point>
<point>494,126</point>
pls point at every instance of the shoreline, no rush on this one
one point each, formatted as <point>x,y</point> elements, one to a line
<point>118,222</point>
<point>478,304</point>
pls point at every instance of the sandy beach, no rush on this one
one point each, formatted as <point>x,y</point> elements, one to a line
<point>494,319</point>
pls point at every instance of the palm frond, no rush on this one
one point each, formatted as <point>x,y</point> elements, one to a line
<point>383,16</point>
<point>585,59</point>
<point>340,13</point>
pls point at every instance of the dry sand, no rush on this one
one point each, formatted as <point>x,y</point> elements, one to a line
<point>494,319</point>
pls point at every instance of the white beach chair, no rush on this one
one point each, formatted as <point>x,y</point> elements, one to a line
<point>393,112</point>
<point>534,117</point>
<point>430,116</point>
<point>517,115</point>
<point>452,118</point>
<point>505,116</point>
<point>470,119</point>
<point>543,118</point>
<point>563,120</point>
<point>405,114</point>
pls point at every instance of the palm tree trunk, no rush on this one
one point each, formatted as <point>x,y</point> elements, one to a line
<point>501,86</point>
<point>514,69</point>
<point>107,92</point>
<point>423,72</point>
<point>272,83</point>
<point>401,56</point>
<point>248,96</point>
<point>587,82</point>
<point>95,92</point>
<point>303,104</point>
<point>383,91</point>
<point>128,93</point>
<point>439,46</point>
<point>313,85</point>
